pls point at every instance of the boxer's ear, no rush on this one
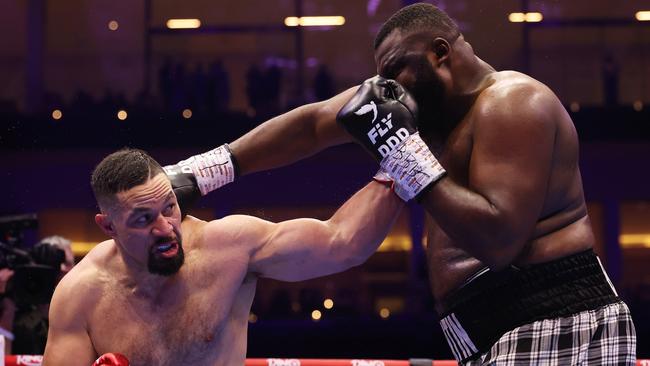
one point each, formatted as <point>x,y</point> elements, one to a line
<point>440,47</point>
<point>106,224</point>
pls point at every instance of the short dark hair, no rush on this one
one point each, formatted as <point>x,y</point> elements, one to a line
<point>419,17</point>
<point>121,171</point>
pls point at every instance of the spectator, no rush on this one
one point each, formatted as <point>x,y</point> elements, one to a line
<point>30,323</point>
<point>65,245</point>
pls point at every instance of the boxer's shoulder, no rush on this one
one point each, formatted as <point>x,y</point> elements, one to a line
<point>513,97</point>
<point>514,88</point>
<point>77,291</point>
<point>236,227</point>
<point>233,231</point>
<point>88,275</point>
<point>97,259</point>
<point>191,224</point>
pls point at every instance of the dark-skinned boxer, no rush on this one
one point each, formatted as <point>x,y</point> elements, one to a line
<point>510,254</point>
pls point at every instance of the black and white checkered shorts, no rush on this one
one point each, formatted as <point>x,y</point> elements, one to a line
<point>604,336</point>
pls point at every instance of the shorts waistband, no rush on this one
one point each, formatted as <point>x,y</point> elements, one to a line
<point>492,303</point>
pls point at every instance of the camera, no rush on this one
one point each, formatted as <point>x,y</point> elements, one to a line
<point>36,269</point>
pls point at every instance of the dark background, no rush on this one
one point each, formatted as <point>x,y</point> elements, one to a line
<point>242,67</point>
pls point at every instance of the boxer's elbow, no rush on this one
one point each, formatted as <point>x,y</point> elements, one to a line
<point>496,242</point>
<point>499,250</point>
<point>356,258</point>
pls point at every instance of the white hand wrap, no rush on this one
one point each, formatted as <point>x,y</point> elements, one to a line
<point>411,166</point>
<point>212,169</point>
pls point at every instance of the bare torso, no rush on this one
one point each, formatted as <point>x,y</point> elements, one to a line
<point>193,319</point>
<point>562,227</point>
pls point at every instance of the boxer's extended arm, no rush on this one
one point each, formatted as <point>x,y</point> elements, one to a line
<point>68,342</point>
<point>512,153</point>
<point>300,249</point>
<point>280,141</point>
<point>292,136</point>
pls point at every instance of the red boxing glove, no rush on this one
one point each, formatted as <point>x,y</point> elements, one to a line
<point>112,359</point>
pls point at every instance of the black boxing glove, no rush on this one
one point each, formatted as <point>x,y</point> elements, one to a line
<point>185,187</point>
<point>382,117</point>
<point>201,174</point>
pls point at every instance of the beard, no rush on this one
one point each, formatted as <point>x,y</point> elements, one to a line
<point>428,90</point>
<point>159,265</point>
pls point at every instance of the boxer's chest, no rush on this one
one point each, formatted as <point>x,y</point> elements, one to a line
<point>155,336</point>
<point>186,324</point>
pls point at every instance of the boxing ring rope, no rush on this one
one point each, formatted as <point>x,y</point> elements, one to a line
<point>36,360</point>
<point>353,362</point>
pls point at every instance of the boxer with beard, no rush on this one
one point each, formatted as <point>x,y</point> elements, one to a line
<point>165,292</point>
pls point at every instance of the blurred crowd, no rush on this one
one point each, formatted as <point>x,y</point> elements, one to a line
<point>193,102</point>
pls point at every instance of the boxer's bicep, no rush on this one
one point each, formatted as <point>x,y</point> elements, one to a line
<point>511,162</point>
<point>300,249</point>
<point>68,342</point>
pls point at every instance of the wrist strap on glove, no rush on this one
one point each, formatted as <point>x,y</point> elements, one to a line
<point>411,166</point>
<point>212,169</point>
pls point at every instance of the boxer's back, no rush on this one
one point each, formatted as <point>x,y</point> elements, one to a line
<point>562,227</point>
<point>200,316</point>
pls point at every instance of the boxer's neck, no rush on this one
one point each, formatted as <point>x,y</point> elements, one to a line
<point>138,281</point>
<point>470,76</point>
